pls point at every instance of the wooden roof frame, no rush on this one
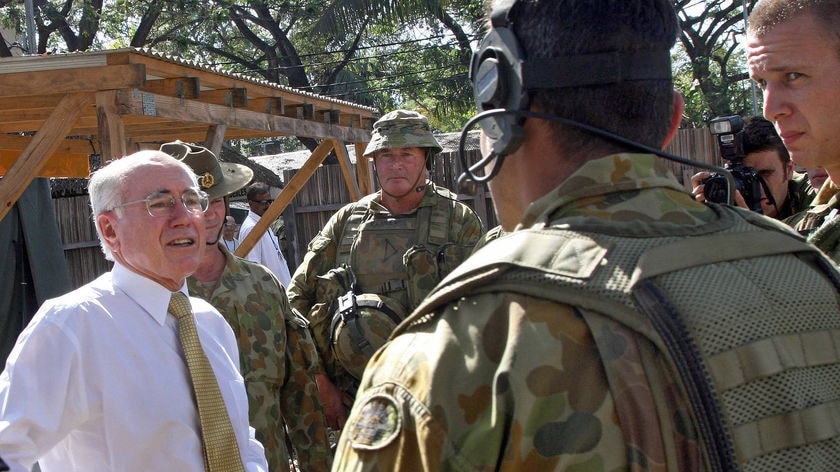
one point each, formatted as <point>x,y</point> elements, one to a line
<point>56,110</point>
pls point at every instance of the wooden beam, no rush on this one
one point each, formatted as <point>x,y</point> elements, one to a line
<point>347,170</point>
<point>363,170</point>
<point>275,106</point>
<point>134,102</point>
<point>42,146</point>
<point>215,138</point>
<point>65,146</point>
<point>181,87</point>
<point>286,195</point>
<point>14,104</point>
<point>331,117</point>
<point>233,97</point>
<point>305,111</point>
<point>211,80</point>
<point>111,130</point>
<point>85,79</point>
<point>58,165</point>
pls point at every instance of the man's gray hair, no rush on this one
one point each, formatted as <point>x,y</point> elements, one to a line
<point>107,186</point>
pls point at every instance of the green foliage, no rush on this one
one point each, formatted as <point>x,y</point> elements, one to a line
<point>710,64</point>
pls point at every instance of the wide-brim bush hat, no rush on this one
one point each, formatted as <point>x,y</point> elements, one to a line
<point>216,178</point>
<point>401,129</point>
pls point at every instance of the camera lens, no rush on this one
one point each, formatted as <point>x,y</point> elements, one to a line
<point>715,189</point>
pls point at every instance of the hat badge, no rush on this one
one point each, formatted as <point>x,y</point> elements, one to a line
<point>206,180</point>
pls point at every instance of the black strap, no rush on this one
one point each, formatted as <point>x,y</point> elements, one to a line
<point>596,69</point>
<point>348,312</point>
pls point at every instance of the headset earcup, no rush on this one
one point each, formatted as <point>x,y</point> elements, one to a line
<point>496,75</point>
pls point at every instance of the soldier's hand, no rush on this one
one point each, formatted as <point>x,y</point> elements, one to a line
<point>332,398</point>
<point>697,185</point>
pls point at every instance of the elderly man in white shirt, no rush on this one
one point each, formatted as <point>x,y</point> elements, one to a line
<point>98,380</point>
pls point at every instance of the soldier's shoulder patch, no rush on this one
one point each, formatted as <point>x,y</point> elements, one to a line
<point>377,424</point>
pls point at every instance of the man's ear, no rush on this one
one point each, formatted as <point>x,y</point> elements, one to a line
<point>106,223</point>
<point>789,170</point>
<point>676,118</point>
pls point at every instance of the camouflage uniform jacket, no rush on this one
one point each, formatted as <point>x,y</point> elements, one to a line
<point>277,362</point>
<point>800,194</point>
<point>501,376</point>
<point>314,295</point>
<point>820,223</point>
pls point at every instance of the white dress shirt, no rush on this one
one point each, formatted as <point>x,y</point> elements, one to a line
<point>98,382</point>
<point>267,250</point>
<point>230,244</point>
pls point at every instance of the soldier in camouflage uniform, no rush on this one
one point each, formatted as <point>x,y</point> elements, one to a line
<point>784,37</point>
<point>276,351</point>
<point>618,324</point>
<point>395,244</point>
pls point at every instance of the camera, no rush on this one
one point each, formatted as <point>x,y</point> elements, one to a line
<point>729,131</point>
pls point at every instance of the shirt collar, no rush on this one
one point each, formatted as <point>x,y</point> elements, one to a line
<point>152,297</point>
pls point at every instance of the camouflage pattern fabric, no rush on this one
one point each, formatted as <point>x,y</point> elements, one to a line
<point>278,360</point>
<point>820,223</point>
<point>800,195</point>
<point>491,234</point>
<point>496,380</point>
<point>401,129</point>
<point>314,289</point>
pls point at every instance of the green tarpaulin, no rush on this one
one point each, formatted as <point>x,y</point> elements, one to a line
<point>32,264</point>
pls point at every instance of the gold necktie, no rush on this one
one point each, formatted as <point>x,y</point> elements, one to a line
<point>221,453</point>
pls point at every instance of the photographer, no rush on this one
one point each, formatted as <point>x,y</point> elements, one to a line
<point>758,151</point>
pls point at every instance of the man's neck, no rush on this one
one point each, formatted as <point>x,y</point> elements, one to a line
<point>833,174</point>
<point>403,204</point>
<point>211,266</point>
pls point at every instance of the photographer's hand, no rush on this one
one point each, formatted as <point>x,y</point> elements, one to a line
<point>697,185</point>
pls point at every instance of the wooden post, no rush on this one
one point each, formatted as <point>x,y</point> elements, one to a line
<point>39,150</point>
<point>346,170</point>
<point>110,125</point>
<point>292,188</point>
<point>363,170</point>
<point>214,139</point>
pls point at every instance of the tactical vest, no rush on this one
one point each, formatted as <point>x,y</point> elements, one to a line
<point>763,395</point>
<point>395,261</point>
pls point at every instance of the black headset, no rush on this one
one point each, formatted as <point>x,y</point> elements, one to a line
<point>496,76</point>
<point>502,76</point>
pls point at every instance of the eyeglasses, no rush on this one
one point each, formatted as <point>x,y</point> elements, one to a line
<point>160,204</point>
<point>264,202</point>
